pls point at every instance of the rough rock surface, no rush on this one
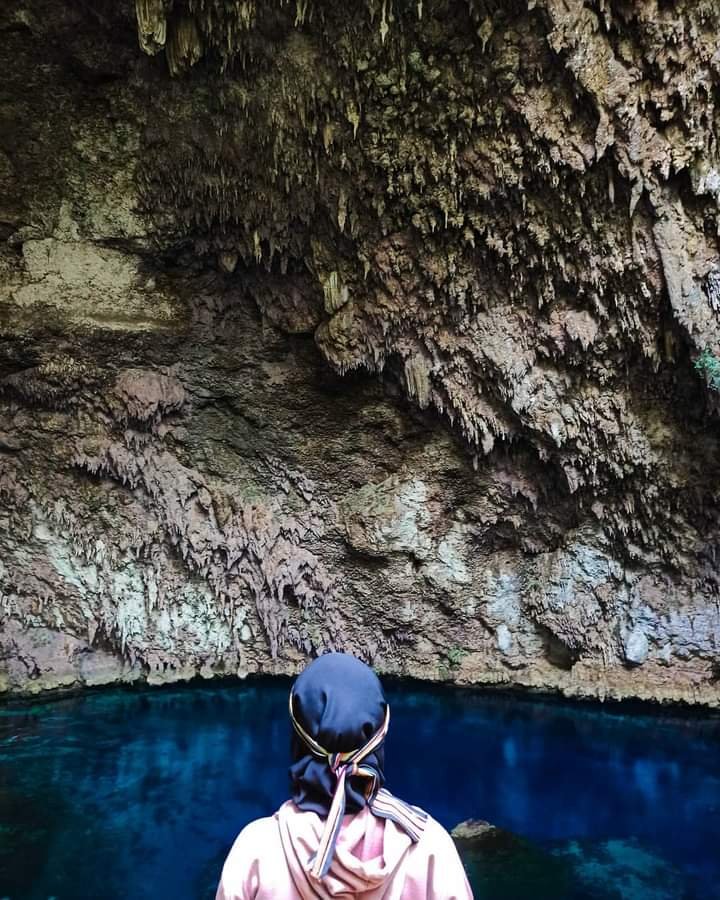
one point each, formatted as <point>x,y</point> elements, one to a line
<point>370,328</point>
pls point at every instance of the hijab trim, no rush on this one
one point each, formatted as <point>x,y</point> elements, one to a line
<point>341,765</point>
<point>411,819</point>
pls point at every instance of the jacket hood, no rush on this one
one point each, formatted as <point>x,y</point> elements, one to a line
<point>368,852</point>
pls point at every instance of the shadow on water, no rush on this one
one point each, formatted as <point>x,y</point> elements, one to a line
<point>138,795</point>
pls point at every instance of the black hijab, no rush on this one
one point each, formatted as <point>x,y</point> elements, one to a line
<point>340,703</point>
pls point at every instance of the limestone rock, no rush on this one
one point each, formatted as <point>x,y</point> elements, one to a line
<point>473,830</point>
<point>636,647</point>
<point>373,327</point>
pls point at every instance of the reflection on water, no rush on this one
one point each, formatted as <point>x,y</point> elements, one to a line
<point>135,795</point>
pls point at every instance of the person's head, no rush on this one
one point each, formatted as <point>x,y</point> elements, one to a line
<point>337,705</point>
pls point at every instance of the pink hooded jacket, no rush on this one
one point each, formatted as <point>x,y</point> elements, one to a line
<point>374,860</point>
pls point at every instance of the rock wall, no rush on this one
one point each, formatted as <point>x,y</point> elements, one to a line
<point>393,329</point>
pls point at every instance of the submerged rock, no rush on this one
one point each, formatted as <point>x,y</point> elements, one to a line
<point>635,871</point>
<point>507,867</point>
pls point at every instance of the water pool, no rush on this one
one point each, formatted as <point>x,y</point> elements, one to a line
<point>139,794</point>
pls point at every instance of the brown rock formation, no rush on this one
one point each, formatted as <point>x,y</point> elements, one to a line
<point>368,328</point>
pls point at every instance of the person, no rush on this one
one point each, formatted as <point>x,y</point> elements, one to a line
<point>342,834</point>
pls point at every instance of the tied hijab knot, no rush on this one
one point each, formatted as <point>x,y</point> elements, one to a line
<point>342,765</point>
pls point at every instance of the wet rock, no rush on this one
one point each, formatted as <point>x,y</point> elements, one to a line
<point>481,835</point>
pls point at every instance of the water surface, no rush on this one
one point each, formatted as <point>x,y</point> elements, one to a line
<point>139,794</point>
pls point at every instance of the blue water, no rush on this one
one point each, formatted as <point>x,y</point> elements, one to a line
<point>138,795</point>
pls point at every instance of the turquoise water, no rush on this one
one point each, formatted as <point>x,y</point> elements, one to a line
<point>140,794</point>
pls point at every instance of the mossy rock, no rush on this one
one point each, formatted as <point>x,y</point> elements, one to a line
<point>504,866</point>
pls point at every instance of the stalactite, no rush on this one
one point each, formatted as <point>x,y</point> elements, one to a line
<point>501,217</point>
<point>152,24</point>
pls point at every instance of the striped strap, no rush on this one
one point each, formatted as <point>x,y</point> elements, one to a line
<point>411,819</point>
<point>341,765</point>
